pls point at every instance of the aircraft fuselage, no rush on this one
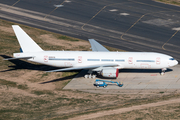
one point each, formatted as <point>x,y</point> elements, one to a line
<point>136,60</point>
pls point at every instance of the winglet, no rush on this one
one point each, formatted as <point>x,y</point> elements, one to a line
<point>95,46</point>
<point>27,44</point>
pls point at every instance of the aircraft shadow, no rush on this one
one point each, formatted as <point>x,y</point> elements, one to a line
<point>60,79</point>
<point>158,71</point>
<point>144,70</point>
<point>20,64</point>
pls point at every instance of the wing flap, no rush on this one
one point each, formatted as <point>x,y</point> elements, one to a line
<point>97,47</point>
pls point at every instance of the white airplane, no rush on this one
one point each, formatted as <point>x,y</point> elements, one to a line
<point>99,59</point>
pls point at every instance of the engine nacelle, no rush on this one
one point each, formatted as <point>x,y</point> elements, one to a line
<point>110,72</point>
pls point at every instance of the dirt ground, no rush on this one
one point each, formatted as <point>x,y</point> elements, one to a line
<point>124,110</point>
<point>174,2</point>
<point>28,92</point>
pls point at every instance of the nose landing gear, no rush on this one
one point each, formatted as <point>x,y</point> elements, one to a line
<point>163,71</point>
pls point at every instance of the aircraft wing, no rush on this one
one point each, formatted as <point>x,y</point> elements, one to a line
<point>84,67</point>
<point>19,58</point>
<point>95,46</point>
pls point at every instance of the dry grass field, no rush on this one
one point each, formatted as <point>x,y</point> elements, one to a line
<point>166,112</point>
<point>28,92</point>
<point>175,2</point>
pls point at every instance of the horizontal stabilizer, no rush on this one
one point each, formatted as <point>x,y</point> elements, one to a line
<point>84,67</point>
<point>95,46</point>
<point>19,58</point>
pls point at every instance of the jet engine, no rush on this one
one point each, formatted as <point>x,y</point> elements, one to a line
<point>110,72</point>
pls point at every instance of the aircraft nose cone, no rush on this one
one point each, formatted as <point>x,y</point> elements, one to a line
<point>175,62</point>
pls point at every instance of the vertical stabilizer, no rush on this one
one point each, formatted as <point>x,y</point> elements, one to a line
<point>27,44</point>
<point>95,46</point>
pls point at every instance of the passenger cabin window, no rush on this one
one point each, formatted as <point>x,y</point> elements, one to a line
<point>107,60</point>
<point>93,59</point>
<point>145,60</point>
<point>119,60</point>
<point>62,59</point>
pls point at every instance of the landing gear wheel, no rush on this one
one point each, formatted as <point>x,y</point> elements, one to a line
<point>162,73</point>
<point>94,76</point>
<point>86,76</point>
<point>89,76</point>
<point>104,86</point>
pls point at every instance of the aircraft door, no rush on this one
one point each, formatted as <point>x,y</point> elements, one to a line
<point>158,60</point>
<point>79,59</point>
<point>130,60</point>
<point>45,58</point>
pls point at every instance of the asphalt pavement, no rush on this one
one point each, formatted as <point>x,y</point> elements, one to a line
<point>131,25</point>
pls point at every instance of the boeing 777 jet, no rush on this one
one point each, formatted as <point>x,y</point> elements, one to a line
<point>99,59</point>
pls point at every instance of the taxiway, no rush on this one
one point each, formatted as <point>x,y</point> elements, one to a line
<point>132,25</point>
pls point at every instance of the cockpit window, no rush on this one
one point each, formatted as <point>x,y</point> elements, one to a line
<point>171,59</point>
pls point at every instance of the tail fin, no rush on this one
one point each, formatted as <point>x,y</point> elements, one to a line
<point>27,44</point>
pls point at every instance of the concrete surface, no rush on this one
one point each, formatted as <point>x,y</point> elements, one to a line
<point>135,80</point>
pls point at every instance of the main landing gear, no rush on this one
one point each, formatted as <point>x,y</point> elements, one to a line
<point>90,74</point>
<point>163,71</point>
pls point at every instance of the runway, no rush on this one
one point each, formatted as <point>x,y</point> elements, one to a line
<point>131,25</point>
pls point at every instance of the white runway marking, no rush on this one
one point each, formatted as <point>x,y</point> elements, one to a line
<point>58,5</point>
<point>176,28</point>
<point>125,14</point>
<point>67,1</point>
<point>113,10</point>
<point>160,22</point>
